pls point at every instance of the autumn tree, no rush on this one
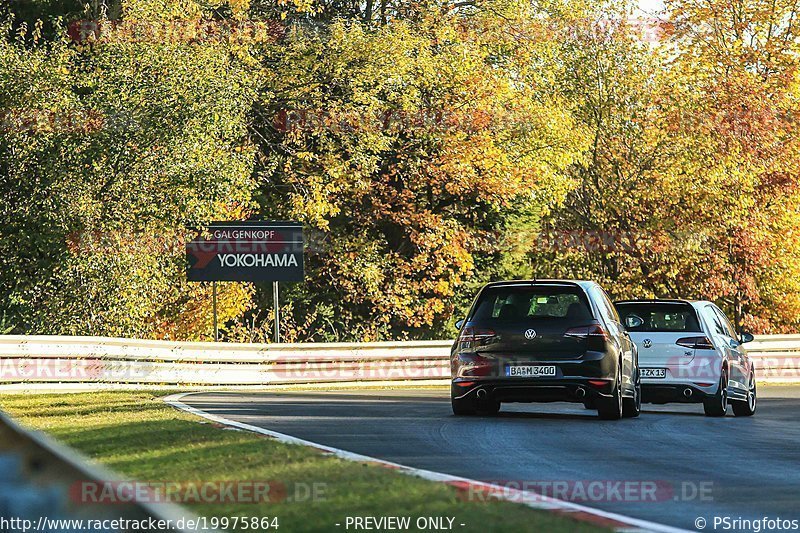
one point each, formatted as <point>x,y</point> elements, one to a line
<point>688,187</point>
<point>743,60</point>
<point>406,148</point>
<point>616,224</point>
<point>110,149</point>
<point>428,147</point>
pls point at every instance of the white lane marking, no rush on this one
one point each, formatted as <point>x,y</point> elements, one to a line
<point>528,498</point>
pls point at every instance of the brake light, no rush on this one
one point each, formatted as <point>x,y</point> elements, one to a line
<point>478,335</point>
<point>593,330</point>
<point>698,343</point>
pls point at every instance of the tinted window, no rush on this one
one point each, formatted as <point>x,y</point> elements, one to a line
<point>660,317</point>
<point>525,303</point>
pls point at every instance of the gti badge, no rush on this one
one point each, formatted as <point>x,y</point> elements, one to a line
<point>647,343</point>
<point>530,334</point>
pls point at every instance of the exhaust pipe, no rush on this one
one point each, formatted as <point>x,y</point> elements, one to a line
<point>687,392</point>
<point>580,392</point>
<point>481,394</point>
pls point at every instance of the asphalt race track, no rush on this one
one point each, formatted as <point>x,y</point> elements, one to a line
<point>703,467</point>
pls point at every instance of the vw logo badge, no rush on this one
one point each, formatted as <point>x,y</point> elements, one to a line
<point>530,334</point>
<point>647,343</point>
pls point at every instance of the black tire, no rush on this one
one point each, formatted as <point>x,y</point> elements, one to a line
<point>717,405</point>
<point>747,407</point>
<point>590,404</point>
<point>464,406</point>
<point>632,407</point>
<point>611,408</point>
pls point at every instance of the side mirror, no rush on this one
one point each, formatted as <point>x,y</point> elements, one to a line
<point>633,321</point>
<point>459,323</point>
<point>746,337</point>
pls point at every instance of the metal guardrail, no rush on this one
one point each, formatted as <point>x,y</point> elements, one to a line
<point>55,359</point>
<point>776,357</point>
<point>42,485</point>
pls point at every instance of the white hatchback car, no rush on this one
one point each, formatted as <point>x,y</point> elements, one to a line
<point>689,352</point>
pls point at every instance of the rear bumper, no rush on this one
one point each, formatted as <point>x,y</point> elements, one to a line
<point>675,393</point>
<point>568,389</point>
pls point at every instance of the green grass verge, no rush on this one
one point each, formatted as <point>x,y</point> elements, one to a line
<point>137,435</point>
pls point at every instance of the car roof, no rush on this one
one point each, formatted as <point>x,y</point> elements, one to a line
<point>585,284</point>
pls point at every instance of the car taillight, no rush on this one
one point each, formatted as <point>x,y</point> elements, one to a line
<point>698,343</point>
<point>593,330</point>
<point>477,335</point>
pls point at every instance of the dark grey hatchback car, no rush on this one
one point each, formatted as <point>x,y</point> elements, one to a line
<point>544,341</point>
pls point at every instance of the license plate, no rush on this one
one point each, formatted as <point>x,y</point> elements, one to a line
<point>653,372</point>
<point>520,371</point>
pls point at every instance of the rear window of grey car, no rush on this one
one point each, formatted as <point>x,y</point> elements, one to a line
<point>665,317</point>
<point>531,303</point>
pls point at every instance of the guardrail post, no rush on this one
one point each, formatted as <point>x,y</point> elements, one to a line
<point>214,305</point>
<point>277,311</point>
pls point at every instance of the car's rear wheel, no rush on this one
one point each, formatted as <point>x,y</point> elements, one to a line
<point>464,406</point>
<point>590,404</point>
<point>611,408</point>
<point>747,407</point>
<point>717,405</point>
<point>632,407</point>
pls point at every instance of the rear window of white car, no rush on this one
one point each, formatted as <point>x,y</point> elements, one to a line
<point>659,317</point>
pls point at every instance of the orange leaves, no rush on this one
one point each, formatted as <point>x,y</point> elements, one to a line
<point>424,134</point>
<point>192,318</point>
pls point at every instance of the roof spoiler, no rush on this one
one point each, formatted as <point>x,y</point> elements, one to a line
<point>654,301</point>
<point>519,282</point>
